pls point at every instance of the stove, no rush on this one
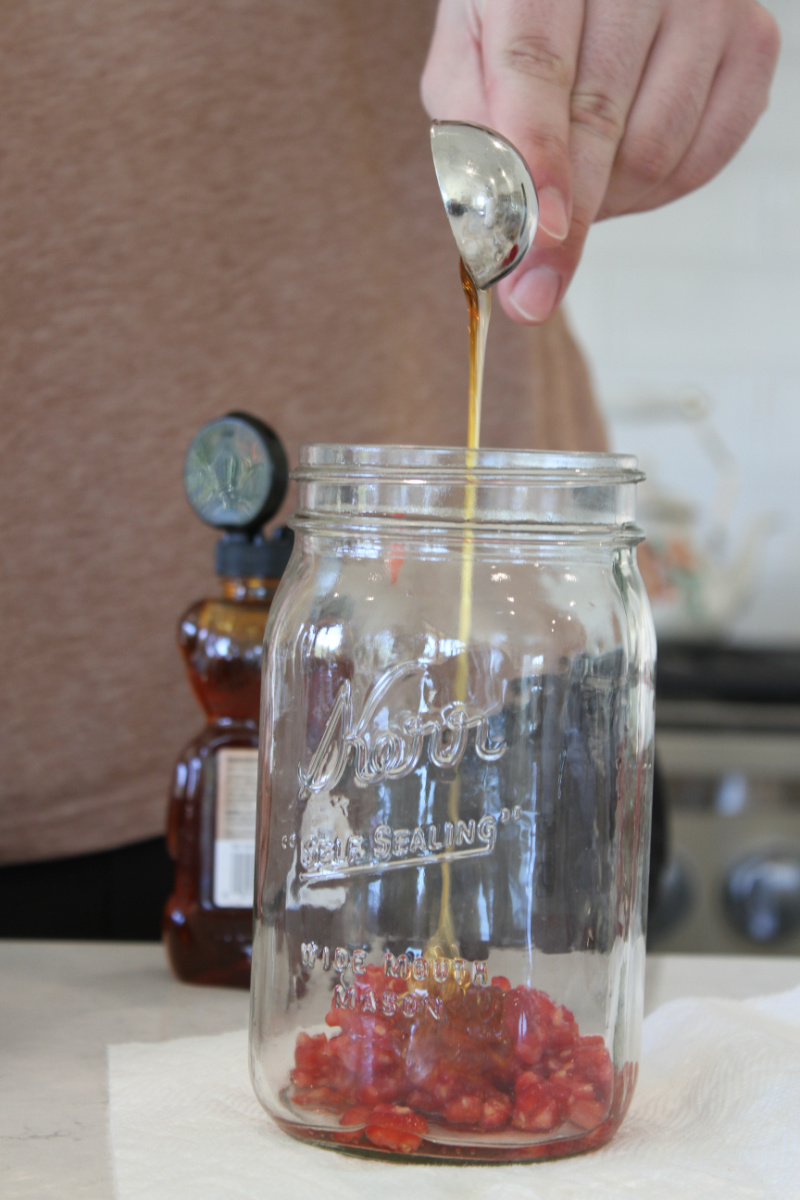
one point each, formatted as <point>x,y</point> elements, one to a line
<point>728,756</point>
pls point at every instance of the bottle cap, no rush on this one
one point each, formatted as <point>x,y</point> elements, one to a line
<point>239,556</point>
<point>235,475</point>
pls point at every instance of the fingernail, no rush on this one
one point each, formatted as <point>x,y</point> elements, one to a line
<point>553,216</point>
<point>535,294</point>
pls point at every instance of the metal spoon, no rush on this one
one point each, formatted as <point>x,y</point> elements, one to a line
<point>488,195</point>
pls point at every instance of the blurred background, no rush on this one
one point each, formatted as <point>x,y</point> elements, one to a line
<point>690,317</point>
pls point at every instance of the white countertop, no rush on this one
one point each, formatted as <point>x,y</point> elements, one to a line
<point>62,1003</point>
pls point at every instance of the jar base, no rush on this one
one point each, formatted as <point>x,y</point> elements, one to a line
<point>432,1151</point>
<point>441,1142</point>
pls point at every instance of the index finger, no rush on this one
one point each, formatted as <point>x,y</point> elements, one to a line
<point>530,55</point>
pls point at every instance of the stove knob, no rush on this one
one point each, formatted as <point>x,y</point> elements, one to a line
<point>762,895</point>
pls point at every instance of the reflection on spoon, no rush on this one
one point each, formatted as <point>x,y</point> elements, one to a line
<point>489,197</point>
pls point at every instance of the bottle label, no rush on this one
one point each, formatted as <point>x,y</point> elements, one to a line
<point>234,844</point>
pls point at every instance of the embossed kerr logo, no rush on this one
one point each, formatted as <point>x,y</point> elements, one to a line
<point>390,747</point>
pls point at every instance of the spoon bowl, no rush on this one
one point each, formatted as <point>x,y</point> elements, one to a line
<point>489,197</point>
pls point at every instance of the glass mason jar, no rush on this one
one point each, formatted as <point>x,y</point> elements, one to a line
<point>454,814</point>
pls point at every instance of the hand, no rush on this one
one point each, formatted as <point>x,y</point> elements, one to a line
<point>617,105</point>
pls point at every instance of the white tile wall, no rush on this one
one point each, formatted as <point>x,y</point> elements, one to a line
<point>704,297</point>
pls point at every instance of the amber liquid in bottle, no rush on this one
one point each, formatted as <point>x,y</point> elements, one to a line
<point>221,642</point>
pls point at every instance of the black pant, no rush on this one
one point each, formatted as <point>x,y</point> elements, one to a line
<point>116,895</point>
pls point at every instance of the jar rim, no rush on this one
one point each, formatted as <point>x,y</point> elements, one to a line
<point>537,492</point>
<point>553,467</point>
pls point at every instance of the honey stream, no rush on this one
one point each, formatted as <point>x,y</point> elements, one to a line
<point>444,943</point>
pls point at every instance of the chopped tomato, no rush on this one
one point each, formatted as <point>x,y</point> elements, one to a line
<point>393,1139</point>
<point>359,1115</point>
<point>317,1097</point>
<point>380,1090</point>
<point>401,1053</point>
<point>496,1113</point>
<point>586,1114</point>
<point>398,1116</point>
<point>464,1110</point>
<point>308,1050</point>
<point>394,561</point>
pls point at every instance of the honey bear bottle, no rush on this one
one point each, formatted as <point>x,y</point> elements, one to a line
<point>235,476</point>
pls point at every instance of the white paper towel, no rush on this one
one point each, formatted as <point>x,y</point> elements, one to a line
<point>716,1114</point>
